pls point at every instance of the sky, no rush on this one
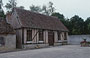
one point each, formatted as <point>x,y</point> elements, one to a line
<point>68,8</point>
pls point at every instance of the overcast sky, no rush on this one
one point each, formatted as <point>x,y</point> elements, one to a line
<point>67,7</point>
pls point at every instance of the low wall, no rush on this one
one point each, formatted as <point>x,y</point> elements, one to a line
<point>10,42</point>
<point>76,39</point>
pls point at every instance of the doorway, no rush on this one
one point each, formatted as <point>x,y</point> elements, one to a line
<point>51,38</point>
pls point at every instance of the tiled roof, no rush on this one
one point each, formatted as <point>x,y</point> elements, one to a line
<point>5,28</point>
<point>36,20</point>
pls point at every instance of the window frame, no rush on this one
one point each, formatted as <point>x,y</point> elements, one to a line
<point>59,36</point>
<point>41,36</point>
<point>29,36</point>
<point>65,36</point>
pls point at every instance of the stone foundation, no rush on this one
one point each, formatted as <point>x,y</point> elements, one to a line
<point>3,48</point>
<point>57,44</point>
<point>35,46</point>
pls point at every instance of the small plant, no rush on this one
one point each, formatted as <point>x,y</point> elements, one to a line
<point>84,43</point>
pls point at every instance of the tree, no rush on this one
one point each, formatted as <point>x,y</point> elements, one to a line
<point>1,3</point>
<point>46,10</point>
<point>34,8</point>
<point>10,5</point>
<point>1,10</point>
<point>65,21</point>
<point>77,25</point>
<point>2,14</point>
<point>60,16</point>
<point>22,7</point>
<point>51,8</point>
<point>87,26</point>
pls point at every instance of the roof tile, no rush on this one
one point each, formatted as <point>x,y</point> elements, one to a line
<point>36,20</point>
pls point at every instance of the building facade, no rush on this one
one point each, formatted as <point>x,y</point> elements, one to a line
<point>36,30</point>
<point>7,36</point>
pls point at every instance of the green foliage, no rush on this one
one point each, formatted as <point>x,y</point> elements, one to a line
<point>51,8</point>
<point>62,18</point>
<point>22,7</point>
<point>46,10</point>
<point>87,26</point>
<point>2,14</point>
<point>11,4</point>
<point>34,8</point>
<point>1,10</point>
<point>77,24</point>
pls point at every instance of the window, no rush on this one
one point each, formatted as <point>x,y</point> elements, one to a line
<point>29,35</point>
<point>2,42</point>
<point>59,36</point>
<point>41,35</point>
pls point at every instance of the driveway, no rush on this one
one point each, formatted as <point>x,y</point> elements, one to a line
<point>69,51</point>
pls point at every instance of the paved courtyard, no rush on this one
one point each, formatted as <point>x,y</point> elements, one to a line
<point>69,51</point>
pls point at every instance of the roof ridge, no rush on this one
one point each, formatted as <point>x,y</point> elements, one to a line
<point>26,18</point>
<point>17,17</point>
<point>35,12</point>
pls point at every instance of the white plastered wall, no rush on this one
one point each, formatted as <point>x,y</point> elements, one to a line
<point>55,36</point>
<point>45,36</point>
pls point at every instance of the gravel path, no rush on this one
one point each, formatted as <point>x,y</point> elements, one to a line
<point>69,51</point>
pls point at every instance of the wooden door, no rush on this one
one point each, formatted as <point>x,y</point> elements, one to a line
<point>51,38</point>
<point>18,40</point>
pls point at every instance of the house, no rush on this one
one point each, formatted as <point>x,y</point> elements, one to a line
<point>7,36</point>
<point>36,30</point>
